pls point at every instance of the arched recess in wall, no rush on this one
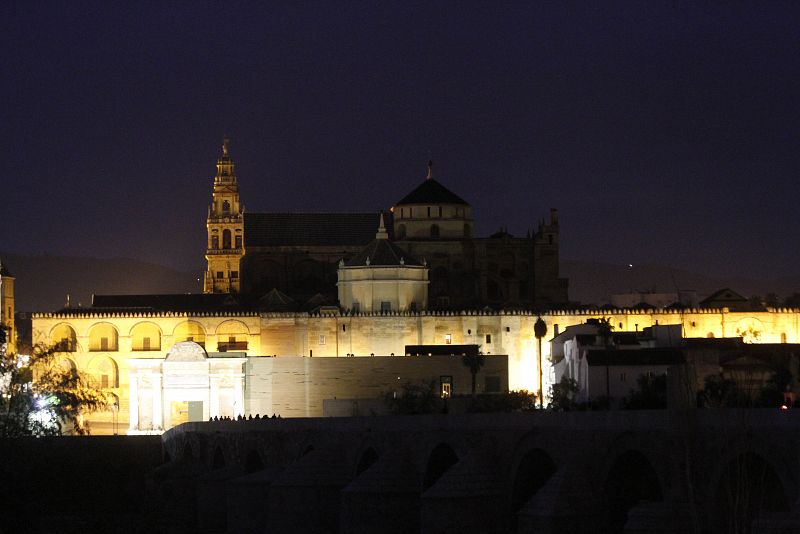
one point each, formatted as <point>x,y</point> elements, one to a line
<point>434,230</point>
<point>748,490</point>
<point>439,282</point>
<point>368,457</point>
<point>253,462</point>
<point>103,337</point>
<point>145,336</point>
<point>442,458</point>
<point>226,239</point>
<point>534,470</point>
<point>631,480</point>
<point>67,365</point>
<point>104,372</point>
<point>219,458</point>
<point>231,336</point>
<point>190,331</point>
<point>401,231</point>
<point>63,338</point>
<point>467,230</point>
<point>494,290</point>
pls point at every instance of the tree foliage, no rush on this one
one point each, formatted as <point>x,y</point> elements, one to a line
<point>562,395</point>
<point>513,401</point>
<point>650,395</point>
<point>415,398</point>
<point>39,395</point>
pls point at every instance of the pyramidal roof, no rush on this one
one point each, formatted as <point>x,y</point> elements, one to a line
<point>381,252</point>
<point>431,192</point>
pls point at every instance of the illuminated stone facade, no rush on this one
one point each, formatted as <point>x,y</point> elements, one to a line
<point>104,343</point>
<point>299,253</point>
<point>7,307</point>
<point>225,225</point>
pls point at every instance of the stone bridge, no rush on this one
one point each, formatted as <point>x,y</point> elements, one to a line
<point>619,471</point>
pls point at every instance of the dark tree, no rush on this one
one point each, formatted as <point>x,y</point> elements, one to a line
<point>39,395</point>
<point>474,362</point>
<point>651,395</point>
<point>562,395</point>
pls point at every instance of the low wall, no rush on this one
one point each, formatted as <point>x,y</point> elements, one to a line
<point>297,387</point>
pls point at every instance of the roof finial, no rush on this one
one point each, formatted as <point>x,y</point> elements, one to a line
<point>225,143</point>
<point>430,170</point>
<point>382,234</point>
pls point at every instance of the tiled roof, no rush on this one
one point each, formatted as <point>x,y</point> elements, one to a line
<point>432,192</point>
<point>723,295</point>
<point>168,302</point>
<point>306,229</point>
<point>382,252</point>
<point>656,356</point>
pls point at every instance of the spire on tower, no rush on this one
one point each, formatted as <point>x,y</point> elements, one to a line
<point>225,143</point>
<point>382,234</point>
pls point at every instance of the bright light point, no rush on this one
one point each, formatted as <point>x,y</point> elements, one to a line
<point>630,265</point>
<point>784,407</point>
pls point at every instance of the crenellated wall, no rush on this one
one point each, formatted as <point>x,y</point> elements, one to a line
<point>331,334</point>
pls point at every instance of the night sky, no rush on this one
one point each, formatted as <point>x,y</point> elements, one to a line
<point>664,133</point>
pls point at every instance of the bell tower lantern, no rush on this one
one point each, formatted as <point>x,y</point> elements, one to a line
<point>225,225</point>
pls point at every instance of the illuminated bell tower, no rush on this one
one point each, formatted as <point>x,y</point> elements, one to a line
<point>225,225</point>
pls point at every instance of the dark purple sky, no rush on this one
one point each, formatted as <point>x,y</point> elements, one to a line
<point>664,133</point>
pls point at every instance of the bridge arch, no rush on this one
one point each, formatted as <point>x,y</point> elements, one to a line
<point>751,480</point>
<point>630,479</point>
<point>531,473</point>
<point>253,462</point>
<point>218,461</point>
<point>366,459</point>
<point>441,458</point>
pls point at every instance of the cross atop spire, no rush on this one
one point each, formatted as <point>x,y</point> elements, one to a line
<point>430,170</point>
<point>225,143</point>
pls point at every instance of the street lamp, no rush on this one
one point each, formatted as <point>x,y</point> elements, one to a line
<point>539,330</point>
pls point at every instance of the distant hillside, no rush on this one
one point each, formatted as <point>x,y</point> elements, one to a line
<point>591,282</point>
<point>43,282</point>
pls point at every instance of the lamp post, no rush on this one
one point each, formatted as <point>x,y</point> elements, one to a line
<point>539,330</point>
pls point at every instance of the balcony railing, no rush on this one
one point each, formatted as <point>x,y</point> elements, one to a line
<point>213,251</point>
<point>65,345</point>
<point>231,345</point>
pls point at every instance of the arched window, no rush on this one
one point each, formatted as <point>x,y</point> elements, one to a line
<point>226,207</point>
<point>63,338</point>
<point>226,239</point>
<point>434,230</point>
<point>145,336</point>
<point>232,335</point>
<point>190,331</point>
<point>103,337</point>
<point>401,231</point>
<point>104,372</point>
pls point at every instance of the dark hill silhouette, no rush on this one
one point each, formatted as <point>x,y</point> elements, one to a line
<point>591,282</point>
<point>43,282</point>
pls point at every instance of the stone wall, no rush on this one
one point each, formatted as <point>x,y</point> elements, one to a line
<point>297,387</point>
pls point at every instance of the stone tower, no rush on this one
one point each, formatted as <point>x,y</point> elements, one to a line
<point>225,224</point>
<point>7,307</point>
